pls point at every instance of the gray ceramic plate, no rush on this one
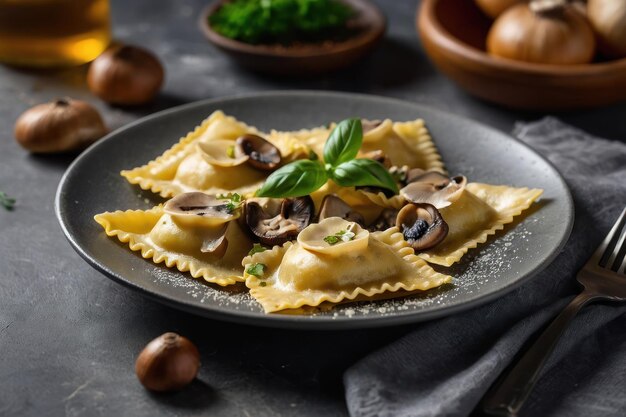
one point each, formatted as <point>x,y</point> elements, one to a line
<point>92,184</point>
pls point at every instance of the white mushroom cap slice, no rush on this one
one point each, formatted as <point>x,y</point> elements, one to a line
<point>434,188</point>
<point>375,130</point>
<point>215,242</point>
<point>350,237</point>
<point>333,206</point>
<point>200,209</point>
<point>223,153</point>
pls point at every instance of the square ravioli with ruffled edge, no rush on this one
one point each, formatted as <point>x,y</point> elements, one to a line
<point>208,159</point>
<point>210,247</point>
<point>334,261</point>
<point>479,212</point>
<point>400,143</point>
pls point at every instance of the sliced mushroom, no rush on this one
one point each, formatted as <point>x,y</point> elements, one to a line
<point>385,220</point>
<point>422,226</point>
<point>378,156</point>
<point>334,236</point>
<point>369,125</point>
<point>194,205</point>
<point>262,154</point>
<point>412,174</point>
<point>333,206</point>
<point>375,130</point>
<point>295,214</point>
<point>216,242</point>
<point>222,153</point>
<point>434,188</point>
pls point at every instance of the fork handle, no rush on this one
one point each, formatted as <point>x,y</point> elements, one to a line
<point>509,394</point>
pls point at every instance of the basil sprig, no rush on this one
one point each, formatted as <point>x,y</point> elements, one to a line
<point>304,176</point>
<point>363,172</point>
<point>294,180</point>
<point>344,142</point>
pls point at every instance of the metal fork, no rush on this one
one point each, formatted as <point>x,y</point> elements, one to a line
<point>603,278</point>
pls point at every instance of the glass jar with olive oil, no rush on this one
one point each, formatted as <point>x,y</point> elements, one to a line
<point>53,33</point>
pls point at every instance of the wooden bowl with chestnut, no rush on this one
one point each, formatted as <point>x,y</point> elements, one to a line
<point>537,55</point>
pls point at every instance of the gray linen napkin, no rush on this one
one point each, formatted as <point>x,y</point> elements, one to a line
<point>444,367</point>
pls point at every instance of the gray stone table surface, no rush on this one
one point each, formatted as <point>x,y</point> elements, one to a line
<point>69,336</point>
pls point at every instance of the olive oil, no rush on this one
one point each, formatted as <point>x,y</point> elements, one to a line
<point>52,33</point>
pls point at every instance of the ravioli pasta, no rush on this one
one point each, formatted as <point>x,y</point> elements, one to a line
<point>296,277</point>
<point>212,223</point>
<point>163,238</point>
<point>480,212</point>
<point>182,168</point>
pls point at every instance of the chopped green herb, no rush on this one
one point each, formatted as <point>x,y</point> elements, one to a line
<point>257,248</point>
<point>312,155</point>
<point>398,174</point>
<point>6,201</point>
<point>256,269</point>
<point>340,236</point>
<point>230,151</point>
<point>280,21</point>
<point>331,240</point>
<point>234,201</point>
<point>263,284</point>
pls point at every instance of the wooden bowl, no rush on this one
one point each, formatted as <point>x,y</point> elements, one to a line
<point>454,33</point>
<point>306,59</point>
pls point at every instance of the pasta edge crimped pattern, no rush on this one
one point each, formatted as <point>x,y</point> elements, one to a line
<point>314,298</point>
<point>149,252</point>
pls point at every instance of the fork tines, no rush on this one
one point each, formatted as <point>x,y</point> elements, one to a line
<point>612,252</point>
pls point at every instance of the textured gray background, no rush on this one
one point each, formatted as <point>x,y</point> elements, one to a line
<point>69,336</point>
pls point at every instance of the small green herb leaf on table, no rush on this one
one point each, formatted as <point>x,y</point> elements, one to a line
<point>6,201</point>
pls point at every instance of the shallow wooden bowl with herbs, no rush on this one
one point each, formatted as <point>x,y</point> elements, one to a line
<point>454,34</point>
<point>364,29</point>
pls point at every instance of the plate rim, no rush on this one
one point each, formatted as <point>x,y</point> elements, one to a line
<point>297,321</point>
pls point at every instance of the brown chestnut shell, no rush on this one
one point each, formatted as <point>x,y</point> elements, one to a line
<point>125,75</point>
<point>168,363</point>
<point>59,126</point>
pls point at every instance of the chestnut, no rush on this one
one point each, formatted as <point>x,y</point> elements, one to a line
<point>125,75</point>
<point>167,363</point>
<point>59,126</point>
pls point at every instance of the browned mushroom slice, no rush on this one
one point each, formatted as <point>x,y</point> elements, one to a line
<point>213,210</point>
<point>422,226</point>
<point>385,220</point>
<point>262,154</point>
<point>295,214</point>
<point>434,188</point>
<point>378,156</point>
<point>333,206</point>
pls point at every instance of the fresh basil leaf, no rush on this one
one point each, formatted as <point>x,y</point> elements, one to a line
<point>294,180</point>
<point>364,172</point>
<point>344,142</point>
